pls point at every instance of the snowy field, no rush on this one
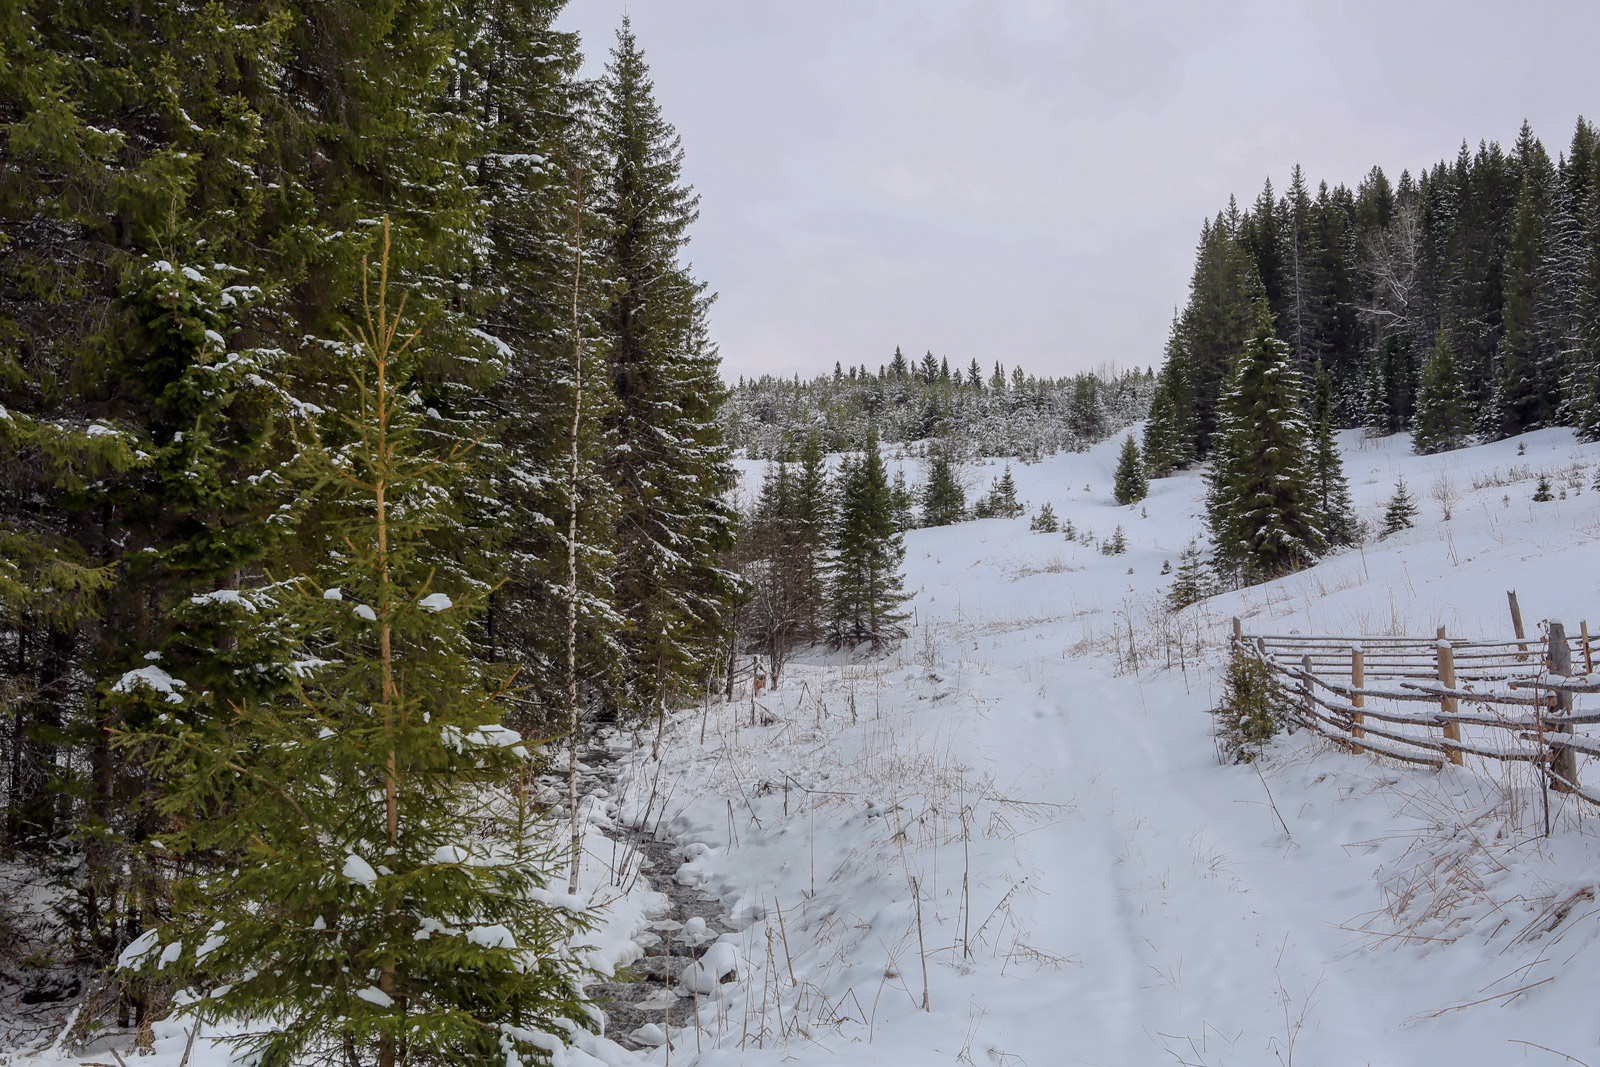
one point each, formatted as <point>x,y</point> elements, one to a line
<point>1009,841</point>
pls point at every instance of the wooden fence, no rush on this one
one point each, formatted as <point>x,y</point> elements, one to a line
<point>1433,700</point>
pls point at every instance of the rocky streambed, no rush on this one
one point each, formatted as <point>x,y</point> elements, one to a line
<point>656,995</point>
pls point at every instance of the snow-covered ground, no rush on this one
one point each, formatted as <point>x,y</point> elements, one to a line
<point>1016,820</point>
<point>1008,820</point>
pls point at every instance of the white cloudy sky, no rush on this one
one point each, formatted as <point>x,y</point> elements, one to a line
<point>1024,180</point>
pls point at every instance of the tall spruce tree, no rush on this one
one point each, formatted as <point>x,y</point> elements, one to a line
<point>1529,383</point>
<point>548,515</point>
<point>1337,512</point>
<point>867,586</point>
<point>328,886</point>
<point>1262,506</point>
<point>1442,423</point>
<point>1214,325</point>
<point>667,457</point>
<point>1163,437</point>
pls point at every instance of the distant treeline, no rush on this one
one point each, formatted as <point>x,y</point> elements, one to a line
<point>994,414</point>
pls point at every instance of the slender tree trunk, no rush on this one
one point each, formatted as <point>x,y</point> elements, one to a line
<point>391,788</point>
<point>575,853</point>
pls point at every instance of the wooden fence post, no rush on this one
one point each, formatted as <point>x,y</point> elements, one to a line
<point>1564,761</point>
<point>1238,632</point>
<point>1588,655</point>
<point>1305,690</point>
<point>1516,624</point>
<point>1358,680</point>
<point>1447,678</point>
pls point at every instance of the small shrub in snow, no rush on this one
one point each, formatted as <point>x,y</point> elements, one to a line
<point>1045,521</point>
<point>1254,708</point>
<point>1116,544</point>
<point>1543,493</point>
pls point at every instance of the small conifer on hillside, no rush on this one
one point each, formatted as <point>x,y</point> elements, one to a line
<point>1045,521</point>
<point>1401,512</point>
<point>1132,484</point>
<point>1254,708</point>
<point>943,501</point>
<point>1192,583</point>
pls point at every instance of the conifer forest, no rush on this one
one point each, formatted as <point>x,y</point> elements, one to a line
<point>418,647</point>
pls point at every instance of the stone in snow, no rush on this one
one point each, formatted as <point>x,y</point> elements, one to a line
<point>650,1034</point>
<point>704,975</point>
<point>695,932</point>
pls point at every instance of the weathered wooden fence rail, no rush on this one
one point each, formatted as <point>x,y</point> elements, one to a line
<point>1515,696</point>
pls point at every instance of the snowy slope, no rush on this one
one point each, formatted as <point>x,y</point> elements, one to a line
<point>1093,887</point>
<point>1018,807</point>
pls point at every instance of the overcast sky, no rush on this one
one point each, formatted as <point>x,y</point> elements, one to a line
<point>1024,180</point>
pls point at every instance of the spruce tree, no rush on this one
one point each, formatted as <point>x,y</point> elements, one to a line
<point>1262,506</point>
<point>1045,521</point>
<point>866,582</point>
<point>943,501</point>
<point>1529,389</point>
<point>1000,502</point>
<point>1337,512</point>
<point>667,458</point>
<point>1131,483</point>
<point>809,535</point>
<point>1401,511</point>
<point>547,516</point>
<point>1215,324</point>
<point>1441,422</point>
<point>905,502</point>
<point>1163,436</point>
<point>1191,583</point>
<point>774,572</point>
<point>331,891</point>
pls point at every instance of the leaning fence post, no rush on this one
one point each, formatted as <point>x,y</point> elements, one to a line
<point>1564,762</point>
<point>1588,655</point>
<point>1358,681</point>
<point>1447,678</point>
<point>1516,624</point>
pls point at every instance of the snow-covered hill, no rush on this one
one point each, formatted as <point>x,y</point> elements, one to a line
<point>1008,801</point>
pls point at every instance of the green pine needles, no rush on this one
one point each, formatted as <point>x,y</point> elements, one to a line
<point>360,881</point>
